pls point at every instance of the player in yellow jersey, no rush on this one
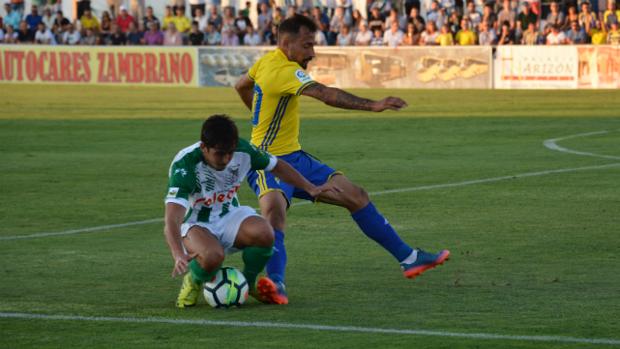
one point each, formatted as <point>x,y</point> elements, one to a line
<point>271,90</point>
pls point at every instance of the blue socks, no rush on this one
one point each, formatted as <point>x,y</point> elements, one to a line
<point>277,263</point>
<point>376,227</point>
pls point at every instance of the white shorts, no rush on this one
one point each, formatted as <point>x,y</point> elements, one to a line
<point>226,228</point>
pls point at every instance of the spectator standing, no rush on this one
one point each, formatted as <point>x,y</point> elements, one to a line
<point>587,18</point>
<point>150,17</point>
<point>487,35</point>
<point>43,35</point>
<point>356,19</point>
<point>135,35</point>
<point>319,38</point>
<point>417,20</point>
<point>89,38</point>
<point>412,36</point>
<point>242,23</point>
<point>429,36</point>
<point>506,36</point>
<point>506,14</point>
<point>201,19</point>
<point>394,17</point>
<point>153,36</point>
<point>555,17</point>
<point>473,15</point>
<point>394,36</point>
<point>530,35</point>
<point>117,36</point>
<point>33,19</point>
<point>454,22</point>
<point>570,17</point>
<point>465,36</point>
<point>377,38</point>
<point>251,37</point>
<point>181,22</point>
<point>212,36</point>
<point>321,20</point>
<point>48,18</point>
<point>526,17</point>
<point>611,15</point>
<point>489,17</point>
<point>215,19</point>
<point>124,19</point>
<point>24,35</point>
<point>376,20</point>
<point>433,14</point>
<point>88,21</point>
<point>264,19</point>
<point>168,17</point>
<point>71,36</point>
<point>196,5</point>
<point>172,37</point>
<point>576,35</point>
<point>363,36</point>
<point>12,17</point>
<point>556,37</point>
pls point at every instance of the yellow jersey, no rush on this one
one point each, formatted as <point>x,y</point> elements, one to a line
<point>278,83</point>
<point>466,37</point>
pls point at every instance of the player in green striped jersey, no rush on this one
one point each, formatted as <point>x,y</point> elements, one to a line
<point>203,218</point>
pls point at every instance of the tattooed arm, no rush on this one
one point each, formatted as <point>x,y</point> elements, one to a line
<point>342,99</point>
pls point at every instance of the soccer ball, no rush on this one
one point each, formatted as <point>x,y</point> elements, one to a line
<point>228,288</point>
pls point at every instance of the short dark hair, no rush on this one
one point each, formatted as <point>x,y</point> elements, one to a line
<point>219,130</point>
<point>293,24</point>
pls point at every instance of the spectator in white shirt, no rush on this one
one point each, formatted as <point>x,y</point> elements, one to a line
<point>43,35</point>
<point>556,37</point>
<point>251,38</point>
<point>201,19</point>
<point>363,36</point>
<point>345,37</point>
<point>394,36</point>
<point>71,36</point>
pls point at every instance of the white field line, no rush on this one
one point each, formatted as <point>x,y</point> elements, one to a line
<point>313,327</point>
<point>549,143</point>
<point>552,144</point>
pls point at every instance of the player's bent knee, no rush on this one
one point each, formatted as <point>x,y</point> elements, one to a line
<point>211,259</point>
<point>357,199</point>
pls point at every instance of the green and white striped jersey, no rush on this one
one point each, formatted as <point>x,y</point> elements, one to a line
<point>209,194</point>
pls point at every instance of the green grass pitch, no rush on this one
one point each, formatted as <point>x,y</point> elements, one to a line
<point>534,258</point>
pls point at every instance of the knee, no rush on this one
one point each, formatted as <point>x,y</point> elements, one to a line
<point>276,217</point>
<point>211,259</point>
<point>265,238</point>
<point>357,199</point>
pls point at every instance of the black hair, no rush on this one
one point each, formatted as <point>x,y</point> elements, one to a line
<point>293,24</point>
<point>219,130</point>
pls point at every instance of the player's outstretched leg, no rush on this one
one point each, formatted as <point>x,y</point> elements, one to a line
<point>421,261</point>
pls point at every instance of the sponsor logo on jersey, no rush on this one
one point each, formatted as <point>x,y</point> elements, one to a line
<point>182,171</point>
<point>302,76</point>
<point>216,197</point>
<point>172,192</point>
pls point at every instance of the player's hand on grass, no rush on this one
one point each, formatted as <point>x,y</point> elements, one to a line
<point>324,188</point>
<point>391,103</point>
<point>180,264</point>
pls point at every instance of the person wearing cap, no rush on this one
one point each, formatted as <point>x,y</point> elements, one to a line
<point>123,19</point>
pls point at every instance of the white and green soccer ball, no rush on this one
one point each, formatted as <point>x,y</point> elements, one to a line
<point>229,288</point>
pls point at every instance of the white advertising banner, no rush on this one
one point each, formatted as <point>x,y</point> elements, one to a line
<point>536,67</point>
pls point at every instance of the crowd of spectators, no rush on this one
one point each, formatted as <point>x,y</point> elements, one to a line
<point>399,23</point>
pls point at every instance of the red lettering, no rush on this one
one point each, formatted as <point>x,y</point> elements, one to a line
<point>41,66</point>
<point>65,66</point>
<point>77,67</point>
<point>101,60</point>
<point>112,73</point>
<point>20,58</point>
<point>85,63</point>
<point>138,71</point>
<point>53,74</point>
<point>150,68</point>
<point>221,197</point>
<point>174,67</point>
<point>124,68</point>
<point>31,66</point>
<point>187,68</point>
<point>208,202</point>
<point>2,67</point>
<point>163,69</point>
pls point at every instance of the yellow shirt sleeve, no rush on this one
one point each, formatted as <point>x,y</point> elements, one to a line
<point>292,80</point>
